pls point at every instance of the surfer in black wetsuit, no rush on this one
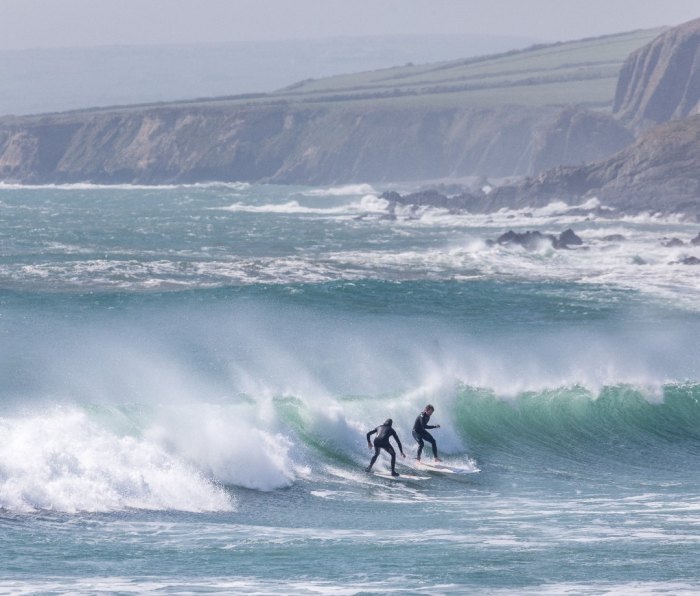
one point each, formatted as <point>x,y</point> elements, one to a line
<point>421,434</point>
<point>381,441</point>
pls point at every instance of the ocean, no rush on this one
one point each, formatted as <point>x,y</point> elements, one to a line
<point>188,374</point>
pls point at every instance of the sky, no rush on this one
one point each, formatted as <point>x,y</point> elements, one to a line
<point>80,23</point>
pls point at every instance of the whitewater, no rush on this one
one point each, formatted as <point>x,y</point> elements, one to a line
<point>188,372</point>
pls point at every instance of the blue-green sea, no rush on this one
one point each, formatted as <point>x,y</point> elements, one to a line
<point>187,375</point>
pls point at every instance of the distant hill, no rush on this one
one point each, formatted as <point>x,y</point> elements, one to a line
<point>582,72</point>
<point>507,114</point>
<point>59,79</point>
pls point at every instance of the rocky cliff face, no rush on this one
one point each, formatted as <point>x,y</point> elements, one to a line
<point>293,144</point>
<point>658,91</point>
<point>574,137</point>
<point>661,81</point>
<point>660,172</point>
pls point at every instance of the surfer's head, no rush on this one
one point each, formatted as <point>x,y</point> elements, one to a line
<point>388,422</point>
<point>429,409</point>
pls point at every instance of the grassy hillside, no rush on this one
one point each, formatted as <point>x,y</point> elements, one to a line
<point>580,72</point>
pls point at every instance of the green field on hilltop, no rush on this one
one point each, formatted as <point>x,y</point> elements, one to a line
<point>580,72</point>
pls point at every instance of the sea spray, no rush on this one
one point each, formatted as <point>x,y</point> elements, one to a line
<point>62,461</point>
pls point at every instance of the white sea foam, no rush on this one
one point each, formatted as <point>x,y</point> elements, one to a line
<point>367,204</point>
<point>251,455</point>
<point>62,461</point>
<point>341,191</point>
<point>389,584</point>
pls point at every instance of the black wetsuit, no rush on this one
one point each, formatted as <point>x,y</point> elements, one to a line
<point>381,441</point>
<point>420,433</point>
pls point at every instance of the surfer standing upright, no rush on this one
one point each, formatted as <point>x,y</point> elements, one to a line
<point>421,434</point>
<point>381,441</point>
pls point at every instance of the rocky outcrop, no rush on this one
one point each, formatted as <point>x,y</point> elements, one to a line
<point>575,137</point>
<point>661,81</point>
<point>534,239</point>
<point>660,172</point>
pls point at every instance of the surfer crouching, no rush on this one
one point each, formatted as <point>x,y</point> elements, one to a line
<point>381,441</point>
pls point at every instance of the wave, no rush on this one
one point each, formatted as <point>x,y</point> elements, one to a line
<point>94,457</point>
<point>620,425</point>
<point>64,461</point>
<point>340,191</point>
<point>367,204</point>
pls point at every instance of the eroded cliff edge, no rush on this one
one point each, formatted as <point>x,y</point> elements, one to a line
<point>658,91</point>
<point>292,144</point>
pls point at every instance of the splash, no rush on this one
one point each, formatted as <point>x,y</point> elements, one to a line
<point>62,461</point>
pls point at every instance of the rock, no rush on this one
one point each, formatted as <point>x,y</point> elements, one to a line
<point>658,173</point>
<point>568,238</point>
<point>575,137</point>
<point>529,240</point>
<point>532,240</point>
<point>432,198</point>
<point>672,243</point>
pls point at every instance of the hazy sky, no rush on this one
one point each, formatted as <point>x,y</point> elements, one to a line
<point>56,23</point>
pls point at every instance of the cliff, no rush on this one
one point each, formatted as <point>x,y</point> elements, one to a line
<point>501,115</point>
<point>658,173</point>
<point>288,143</point>
<point>661,81</point>
<point>658,91</point>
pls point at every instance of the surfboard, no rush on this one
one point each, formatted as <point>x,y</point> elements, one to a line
<point>441,468</point>
<point>401,476</point>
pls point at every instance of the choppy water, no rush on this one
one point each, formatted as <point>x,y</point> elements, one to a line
<point>188,372</point>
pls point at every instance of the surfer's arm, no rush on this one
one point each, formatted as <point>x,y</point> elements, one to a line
<point>369,434</point>
<point>398,442</point>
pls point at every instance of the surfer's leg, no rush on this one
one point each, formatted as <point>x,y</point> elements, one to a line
<point>428,437</point>
<point>390,451</point>
<point>419,439</point>
<point>374,458</point>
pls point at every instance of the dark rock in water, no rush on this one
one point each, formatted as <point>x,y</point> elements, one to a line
<point>689,261</point>
<point>431,198</point>
<point>526,239</point>
<point>696,241</point>
<point>531,240</point>
<point>569,238</point>
<point>614,238</point>
<point>673,242</point>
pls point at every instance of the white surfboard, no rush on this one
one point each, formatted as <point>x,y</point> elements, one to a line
<point>401,476</point>
<point>441,468</point>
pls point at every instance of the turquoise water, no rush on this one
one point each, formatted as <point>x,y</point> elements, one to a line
<point>188,374</point>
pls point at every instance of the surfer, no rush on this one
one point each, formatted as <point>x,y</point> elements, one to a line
<point>381,441</point>
<point>421,434</point>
